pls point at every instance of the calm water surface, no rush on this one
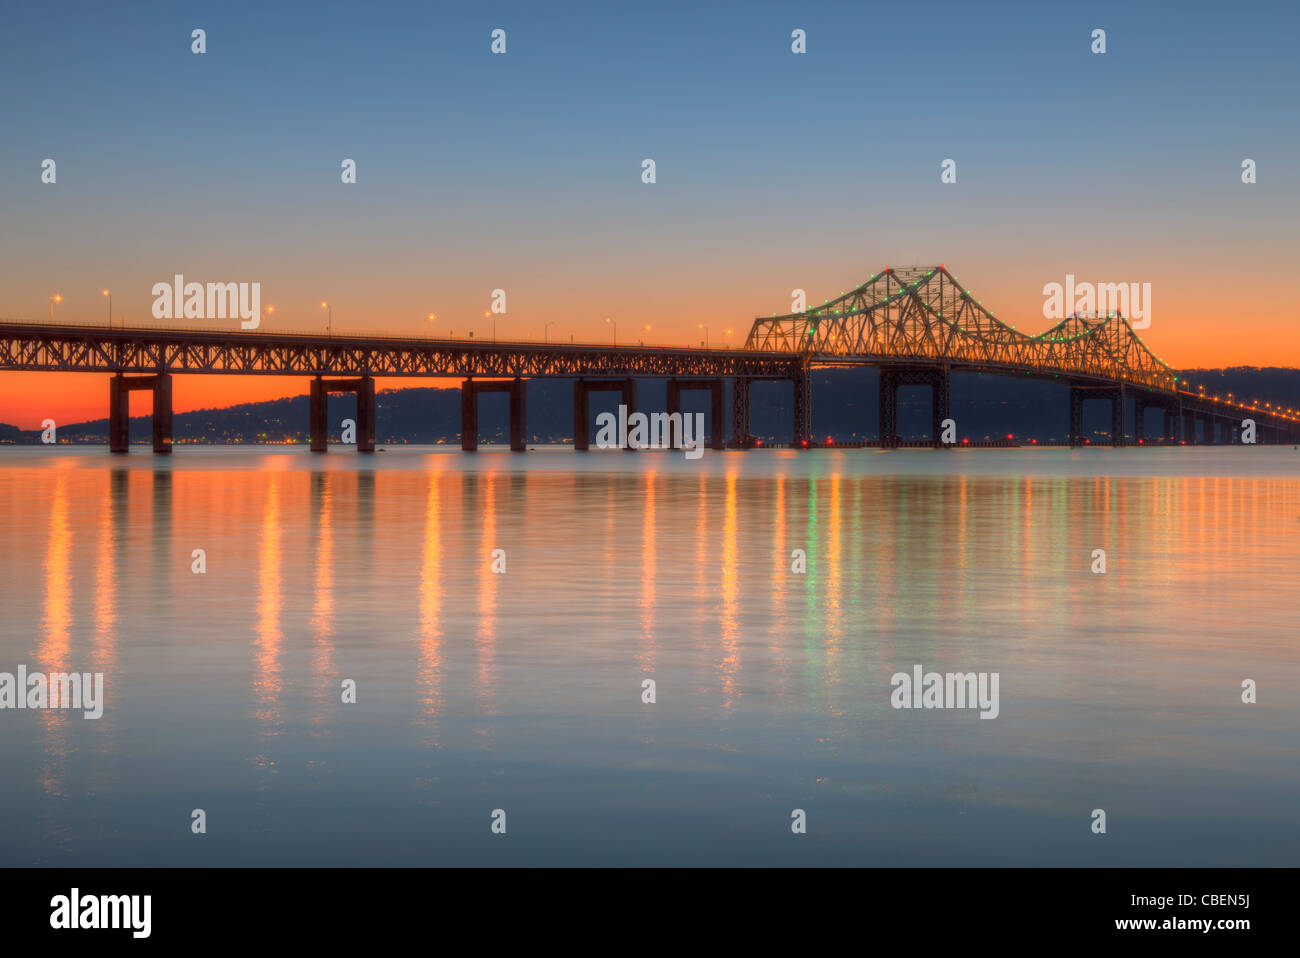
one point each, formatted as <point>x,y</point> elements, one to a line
<point>522,691</point>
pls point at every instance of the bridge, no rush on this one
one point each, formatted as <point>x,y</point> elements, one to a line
<point>918,326</point>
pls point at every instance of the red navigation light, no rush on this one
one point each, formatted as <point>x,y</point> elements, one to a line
<point>886,269</point>
<point>965,442</point>
<point>1087,442</point>
<point>1034,441</point>
<point>758,442</point>
<point>1008,435</point>
<point>941,265</point>
<point>830,441</point>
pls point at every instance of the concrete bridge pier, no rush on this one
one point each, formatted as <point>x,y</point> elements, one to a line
<point>318,416</point>
<point>582,390</point>
<point>717,437</point>
<point>119,411</point>
<point>318,411</point>
<point>469,393</point>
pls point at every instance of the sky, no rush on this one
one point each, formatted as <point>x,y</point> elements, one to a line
<point>522,171</point>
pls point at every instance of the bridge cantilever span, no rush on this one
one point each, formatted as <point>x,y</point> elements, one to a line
<point>919,325</point>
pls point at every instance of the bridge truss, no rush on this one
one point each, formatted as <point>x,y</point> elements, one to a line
<point>922,315</point>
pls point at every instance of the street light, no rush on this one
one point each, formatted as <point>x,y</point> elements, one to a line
<point>615,325</point>
<point>488,314</point>
<point>706,333</point>
<point>428,320</point>
<point>109,294</point>
<point>545,328</point>
<point>56,298</point>
<point>329,319</point>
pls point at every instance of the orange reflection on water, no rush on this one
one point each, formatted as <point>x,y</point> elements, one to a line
<point>429,670</point>
<point>55,643</point>
<point>322,619</point>
<point>105,641</point>
<point>648,648</point>
<point>487,597</point>
<point>266,676</point>
<point>834,581</point>
<point>55,640</point>
<point>729,667</point>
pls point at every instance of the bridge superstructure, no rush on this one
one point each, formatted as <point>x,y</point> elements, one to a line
<point>917,325</point>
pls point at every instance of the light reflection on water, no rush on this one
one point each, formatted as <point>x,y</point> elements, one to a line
<point>522,690</point>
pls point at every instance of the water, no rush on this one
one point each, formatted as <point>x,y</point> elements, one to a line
<point>522,691</point>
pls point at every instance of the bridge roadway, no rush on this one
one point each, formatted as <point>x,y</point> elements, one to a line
<point>145,358</point>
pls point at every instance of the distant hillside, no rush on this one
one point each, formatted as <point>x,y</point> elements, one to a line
<point>844,407</point>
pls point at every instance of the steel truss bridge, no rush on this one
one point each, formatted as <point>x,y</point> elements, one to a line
<point>917,325</point>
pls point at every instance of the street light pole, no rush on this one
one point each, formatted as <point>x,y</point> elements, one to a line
<point>706,333</point>
<point>545,328</point>
<point>109,294</point>
<point>615,325</point>
<point>329,318</point>
<point>56,298</point>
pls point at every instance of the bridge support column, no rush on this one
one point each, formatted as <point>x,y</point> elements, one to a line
<point>740,412</point>
<point>518,414</point>
<point>939,407</point>
<point>894,377</point>
<point>717,429</point>
<point>1189,426</point>
<point>366,414</point>
<point>468,416</point>
<point>802,409</point>
<point>119,415</point>
<point>119,411</point>
<point>162,414</point>
<point>1117,417</point>
<point>1139,418</point>
<point>318,412</point>
<point>628,396</point>
<point>318,416</point>
<point>469,393</point>
<point>673,404</point>
<point>581,416</point>
<point>1075,431</point>
<point>888,406</point>
<point>582,388</point>
<point>717,417</point>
